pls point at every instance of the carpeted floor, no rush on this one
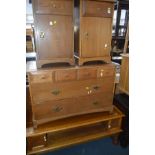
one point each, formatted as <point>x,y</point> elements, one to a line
<point>99,147</point>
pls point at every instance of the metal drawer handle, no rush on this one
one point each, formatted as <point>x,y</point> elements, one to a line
<point>96,87</point>
<point>95,103</point>
<point>56,92</point>
<point>57,109</point>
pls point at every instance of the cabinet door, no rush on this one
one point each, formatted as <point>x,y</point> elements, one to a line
<point>54,36</point>
<point>95,37</point>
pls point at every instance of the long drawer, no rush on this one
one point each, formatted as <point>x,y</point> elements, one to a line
<point>55,91</point>
<point>52,110</point>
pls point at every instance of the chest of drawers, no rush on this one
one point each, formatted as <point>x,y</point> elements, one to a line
<point>63,92</point>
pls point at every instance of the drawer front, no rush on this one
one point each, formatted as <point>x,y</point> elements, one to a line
<point>105,72</point>
<point>87,73</point>
<point>36,142</point>
<point>62,7</point>
<point>95,103</point>
<point>55,91</point>
<point>99,9</point>
<point>40,77</point>
<point>52,110</point>
<point>65,75</point>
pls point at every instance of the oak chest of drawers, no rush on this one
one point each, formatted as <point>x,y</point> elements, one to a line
<point>62,92</point>
<point>53,23</point>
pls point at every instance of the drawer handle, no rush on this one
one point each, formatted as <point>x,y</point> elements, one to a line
<point>96,87</point>
<point>57,109</point>
<point>98,9</point>
<point>95,103</point>
<point>56,92</point>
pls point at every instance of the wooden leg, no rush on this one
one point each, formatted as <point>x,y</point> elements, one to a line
<point>115,139</point>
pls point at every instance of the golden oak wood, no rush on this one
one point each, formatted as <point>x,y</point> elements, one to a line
<point>95,24</point>
<point>67,132</point>
<point>63,92</point>
<point>53,22</point>
<point>124,74</point>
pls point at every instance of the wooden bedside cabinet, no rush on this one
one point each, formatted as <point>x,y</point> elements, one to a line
<point>53,22</point>
<point>95,30</point>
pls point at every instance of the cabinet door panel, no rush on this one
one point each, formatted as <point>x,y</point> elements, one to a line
<point>54,36</point>
<point>95,37</point>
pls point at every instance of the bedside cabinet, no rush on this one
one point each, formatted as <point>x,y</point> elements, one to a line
<point>53,22</point>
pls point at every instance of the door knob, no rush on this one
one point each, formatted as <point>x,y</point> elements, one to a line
<point>106,45</point>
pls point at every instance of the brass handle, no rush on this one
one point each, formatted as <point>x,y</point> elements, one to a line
<point>57,109</point>
<point>51,23</point>
<point>56,92</point>
<point>106,45</point>
<point>109,10</point>
<point>42,34</point>
<point>96,87</point>
<point>95,103</point>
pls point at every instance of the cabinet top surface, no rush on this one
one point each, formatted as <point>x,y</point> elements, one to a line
<point>32,67</point>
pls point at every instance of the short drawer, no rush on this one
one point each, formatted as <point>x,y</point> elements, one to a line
<point>105,72</point>
<point>87,73</point>
<point>40,77</point>
<point>52,110</point>
<point>65,75</point>
<point>62,7</point>
<point>36,142</point>
<point>99,9</point>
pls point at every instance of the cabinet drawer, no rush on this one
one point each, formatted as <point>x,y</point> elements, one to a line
<point>62,7</point>
<point>65,75</point>
<point>56,91</point>
<point>52,110</point>
<point>99,9</point>
<point>40,77</point>
<point>105,72</point>
<point>36,142</point>
<point>87,73</point>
